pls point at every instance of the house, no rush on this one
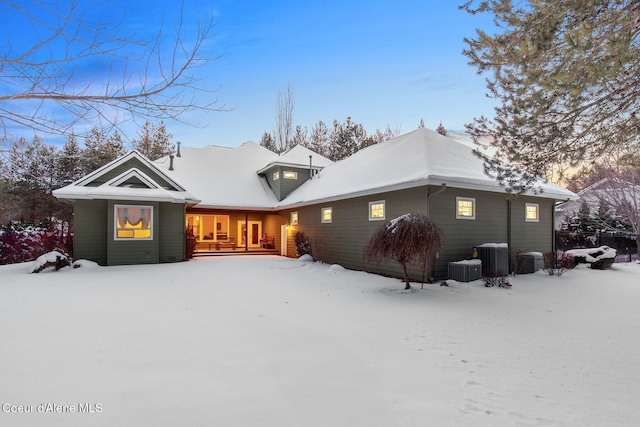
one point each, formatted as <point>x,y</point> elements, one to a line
<point>232,198</point>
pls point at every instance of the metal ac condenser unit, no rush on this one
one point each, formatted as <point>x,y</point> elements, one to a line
<point>495,259</point>
<point>465,271</point>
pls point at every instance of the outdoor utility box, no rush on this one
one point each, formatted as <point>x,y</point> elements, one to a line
<point>494,257</point>
<point>529,262</point>
<point>465,271</point>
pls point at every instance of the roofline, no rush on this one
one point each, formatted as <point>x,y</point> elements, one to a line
<point>296,165</point>
<point>117,162</point>
<point>75,197</point>
<point>432,181</point>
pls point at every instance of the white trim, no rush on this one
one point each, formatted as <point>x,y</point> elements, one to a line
<point>537,206</point>
<point>473,207</point>
<point>384,210</point>
<point>134,172</point>
<point>322,211</point>
<point>115,223</point>
<point>276,175</point>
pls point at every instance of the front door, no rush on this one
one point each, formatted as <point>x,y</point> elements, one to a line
<point>249,232</point>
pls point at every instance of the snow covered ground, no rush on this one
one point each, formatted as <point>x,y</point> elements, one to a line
<point>270,341</point>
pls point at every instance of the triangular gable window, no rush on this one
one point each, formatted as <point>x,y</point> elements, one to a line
<point>133,178</point>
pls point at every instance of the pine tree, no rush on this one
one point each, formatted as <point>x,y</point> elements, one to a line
<point>565,77</point>
<point>345,139</point>
<point>267,142</point>
<point>319,138</point>
<point>442,130</point>
<point>154,141</point>
<point>299,137</point>
<point>69,162</point>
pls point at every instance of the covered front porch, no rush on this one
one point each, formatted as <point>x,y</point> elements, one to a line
<point>220,232</point>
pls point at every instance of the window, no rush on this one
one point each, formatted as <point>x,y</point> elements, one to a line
<point>290,175</point>
<point>465,208</point>
<point>294,218</point>
<point>326,215</point>
<point>133,222</point>
<point>276,175</point>
<point>376,210</point>
<point>531,212</point>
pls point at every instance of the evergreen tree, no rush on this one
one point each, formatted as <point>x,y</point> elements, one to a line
<point>69,162</point>
<point>32,177</point>
<point>319,138</point>
<point>299,137</point>
<point>268,142</point>
<point>154,141</point>
<point>565,77</point>
<point>442,130</point>
<point>345,139</point>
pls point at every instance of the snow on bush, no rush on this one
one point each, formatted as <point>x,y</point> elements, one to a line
<point>53,259</point>
<point>20,242</point>
<point>305,258</point>
<point>336,268</point>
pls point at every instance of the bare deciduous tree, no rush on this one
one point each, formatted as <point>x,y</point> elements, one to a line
<point>283,132</point>
<point>46,84</point>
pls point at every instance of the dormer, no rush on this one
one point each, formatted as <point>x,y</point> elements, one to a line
<point>292,169</point>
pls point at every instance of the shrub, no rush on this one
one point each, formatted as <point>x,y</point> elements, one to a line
<point>303,247</point>
<point>191,243</point>
<point>410,238</point>
<point>558,263</point>
<point>22,242</point>
<point>497,278</point>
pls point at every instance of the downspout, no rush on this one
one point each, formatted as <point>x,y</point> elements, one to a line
<point>509,209</point>
<point>310,167</point>
<point>441,190</point>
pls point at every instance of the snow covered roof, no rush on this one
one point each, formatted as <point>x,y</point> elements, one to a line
<point>421,157</point>
<point>228,178</point>
<point>122,180</point>
<point>223,177</point>
<point>298,156</point>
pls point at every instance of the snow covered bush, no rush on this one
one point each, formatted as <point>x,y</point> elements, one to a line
<point>56,259</point>
<point>497,279</point>
<point>410,238</point>
<point>21,242</point>
<point>598,258</point>
<point>303,247</point>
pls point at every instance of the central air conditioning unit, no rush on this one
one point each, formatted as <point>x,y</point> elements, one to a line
<point>529,262</point>
<point>494,257</point>
<point>465,271</point>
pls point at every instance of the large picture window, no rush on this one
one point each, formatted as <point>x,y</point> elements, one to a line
<point>465,208</point>
<point>133,222</point>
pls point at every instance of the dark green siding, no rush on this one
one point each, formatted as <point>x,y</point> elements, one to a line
<point>531,236</point>
<point>461,235</point>
<point>282,186</point>
<point>171,231</point>
<point>125,252</point>
<point>343,240</point>
<point>133,163</point>
<point>89,223</point>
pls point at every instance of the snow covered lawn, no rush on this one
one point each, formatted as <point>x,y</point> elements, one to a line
<point>269,341</point>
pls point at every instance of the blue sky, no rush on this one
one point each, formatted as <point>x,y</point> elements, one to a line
<point>379,62</point>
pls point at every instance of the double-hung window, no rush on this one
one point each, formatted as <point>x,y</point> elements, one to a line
<point>465,208</point>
